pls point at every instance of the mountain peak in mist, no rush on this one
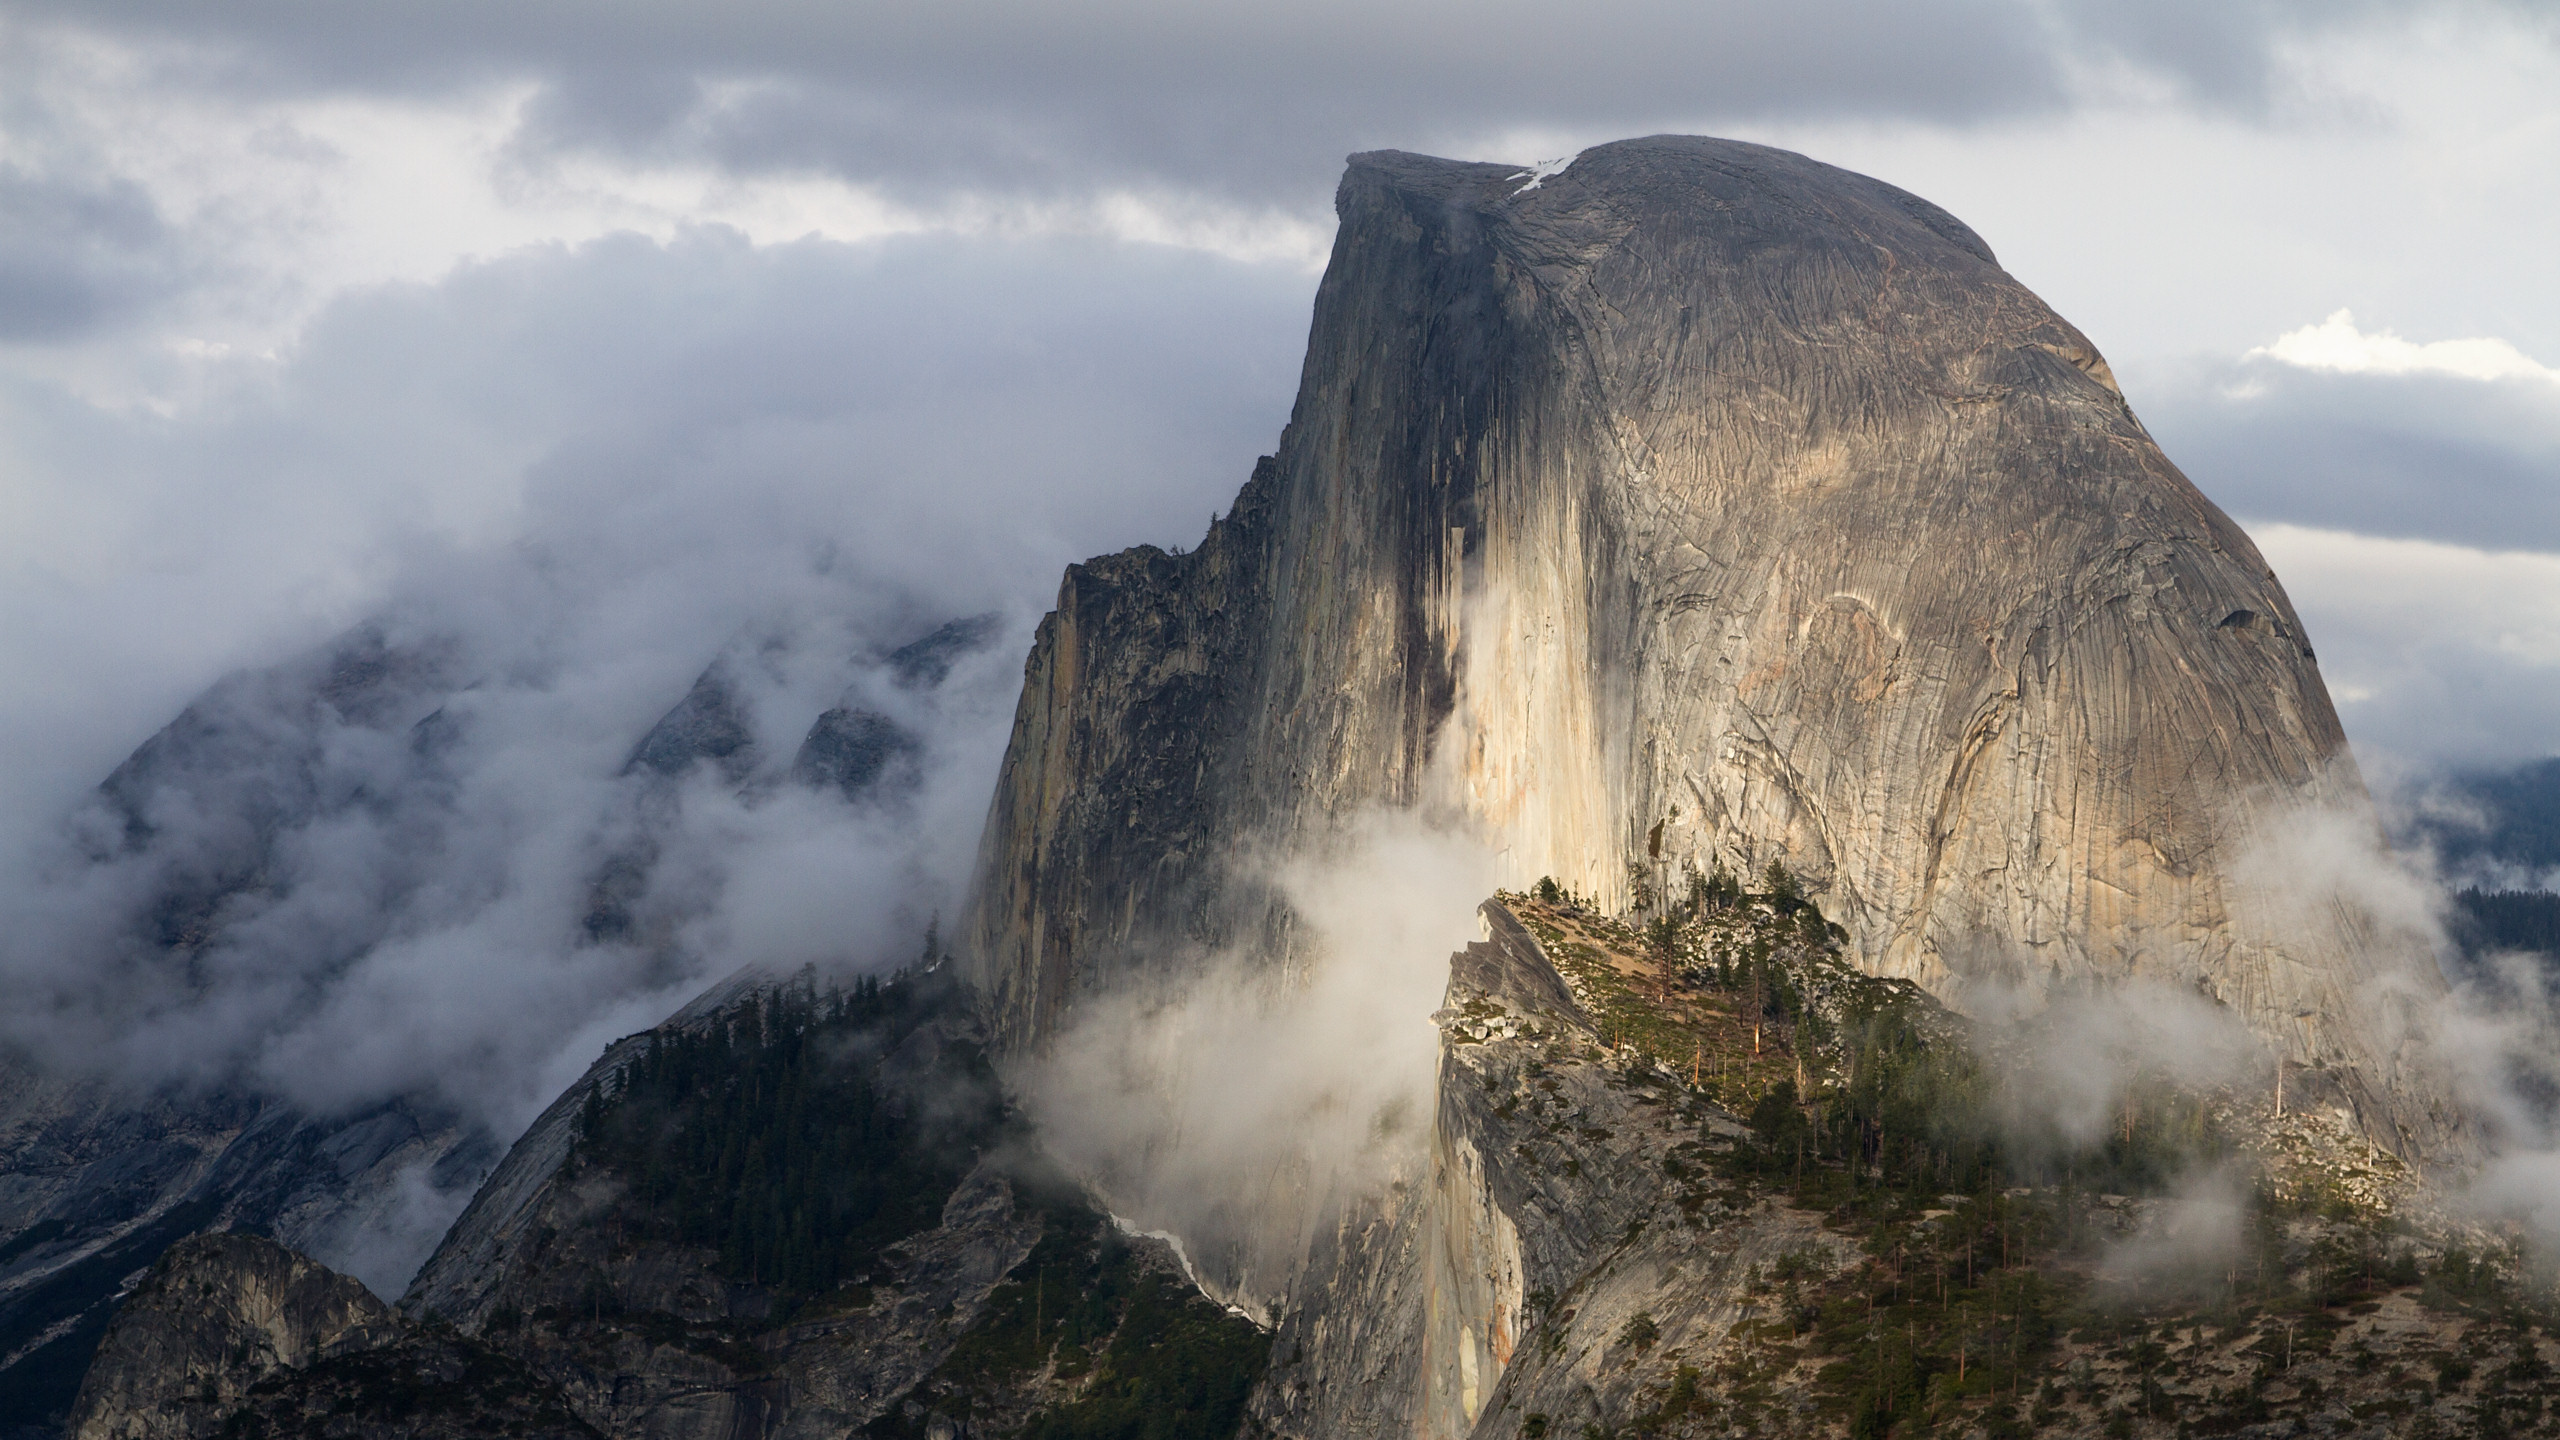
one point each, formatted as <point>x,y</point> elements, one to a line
<point>1703,506</point>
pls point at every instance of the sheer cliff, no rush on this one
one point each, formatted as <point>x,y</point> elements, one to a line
<point>1702,504</point>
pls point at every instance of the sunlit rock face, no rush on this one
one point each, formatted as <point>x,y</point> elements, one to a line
<point>218,1313</point>
<point>1706,487</point>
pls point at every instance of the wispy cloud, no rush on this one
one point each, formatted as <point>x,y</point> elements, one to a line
<point>1232,1105</point>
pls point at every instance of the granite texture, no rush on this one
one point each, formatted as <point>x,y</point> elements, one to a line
<point>1706,487</point>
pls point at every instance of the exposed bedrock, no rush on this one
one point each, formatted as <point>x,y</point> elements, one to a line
<point>1706,487</point>
<point>1496,1281</point>
<point>217,1313</point>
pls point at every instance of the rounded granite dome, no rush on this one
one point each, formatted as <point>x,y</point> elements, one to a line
<point>1703,486</point>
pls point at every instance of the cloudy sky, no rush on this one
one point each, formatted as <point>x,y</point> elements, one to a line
<point>653,325</point>
<point>291,291</point>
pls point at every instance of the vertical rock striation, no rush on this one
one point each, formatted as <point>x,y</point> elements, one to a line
<point>1706,487</point>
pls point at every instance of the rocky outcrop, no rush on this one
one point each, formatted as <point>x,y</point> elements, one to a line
<point>1001,1294</point>
<point>1704,504</point>
<point>926,661</point>
<point>217,1314</point>
<point>236,1336</point>
<point>1499,1280</point>
<point>855,752</point>
<point>709,724</point>
<point>1605,1239</point>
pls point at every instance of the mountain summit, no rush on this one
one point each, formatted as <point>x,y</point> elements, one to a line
<point>1699,505</point>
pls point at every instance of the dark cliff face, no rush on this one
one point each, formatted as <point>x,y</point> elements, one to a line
<point>1706,487</point>
<point>799,1213</point>
<point>1119,784</point>
<point>216,1314</point>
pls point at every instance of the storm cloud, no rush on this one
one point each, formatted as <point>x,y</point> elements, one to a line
<point>1249,102</point>
<point>2422,454</point>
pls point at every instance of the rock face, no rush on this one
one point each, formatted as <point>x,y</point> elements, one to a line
<point>994,1294</point>
<point>850,750</point>
<point>926,661</point>
<point>709,723</point>
<point>217,1313</point>
<point>1502,1276</point>
<point>236,1336</point>
<point>1704,504</point>
<point>425,1385</point>
<point>1604,1238</point>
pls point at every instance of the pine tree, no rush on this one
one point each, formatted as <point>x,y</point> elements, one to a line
<point>1662,937</point>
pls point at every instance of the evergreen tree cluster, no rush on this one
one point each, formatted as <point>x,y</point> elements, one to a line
<point>803,1133</point>
<point>2508,920</point>
<point>1889,1090</point>
<point>1914,1116</point>
<point>1152,1358</point>
<point>771,1135</point>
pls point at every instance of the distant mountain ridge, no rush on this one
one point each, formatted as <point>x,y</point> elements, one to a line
<point>2504,819</point>
<point>100,1173</point>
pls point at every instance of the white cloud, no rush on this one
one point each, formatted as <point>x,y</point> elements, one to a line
<point>1233,1103</point>
<point>2425,591</point>
<point>2397,169</point>
<point>2337,344</point>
